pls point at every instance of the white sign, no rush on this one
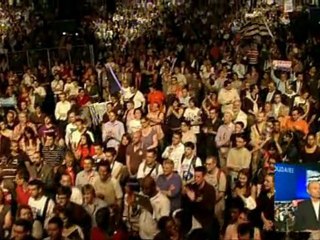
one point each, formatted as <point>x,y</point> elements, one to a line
<point>288,6</point>
<point>282,65</point>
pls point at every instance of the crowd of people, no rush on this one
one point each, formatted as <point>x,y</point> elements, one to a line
<point>185,150</point>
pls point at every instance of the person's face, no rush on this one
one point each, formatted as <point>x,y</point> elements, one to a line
<point>236,106</point>
<point>267,107</point>
<point>19,232</point>
<point>188,151</point>
<point>2,126</point>
<point>69,161</point>
<point>176,139</point>
<point>243,179</point>
<point>227,118</point>
<point>109,157</point>
<point>305,95</point>
<point>62,97</point>
<point>191,104</point>
<point>210,165</point>
<point>37,160</point>
<point>150,158</point>
<point>198,178</point>
<point>88,197</point>
<point>49,141</point>
<point>26,214</point>
<point>240,142</point>
<point>234,214</point>
<point>260,118</point>
<point>125,141</point>
<point>300,77</point>
<point>10,117</point>
<point>238,128</point>
<point>83,140</point>
<point>276,127</point>
<point>136,138</point>
<point>268,183</point>
<point>295,115</point>
<point>112,117</point>
<point>277,98</point>
<point>103,173</point>
<point>79,126</point>
<point>14,147</point>
<point>314,190</point>
<point>62,200</point>
<point>22,118</point>
<point>167,169</point>
<point>137,114</point>
<point>34,191</point>
<point>271,87</point>
<point>65,181</point>
<point>98,150</point>
<point>311,140</point>
<point>54,232</point>
<point>242,218</point>
<point>184,92</point>
<point>72,117</point>
<point>23,105</point>
<point>184,127</point>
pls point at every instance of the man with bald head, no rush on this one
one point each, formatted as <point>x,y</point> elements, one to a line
<point>307,215</point>
<point>158,207</point>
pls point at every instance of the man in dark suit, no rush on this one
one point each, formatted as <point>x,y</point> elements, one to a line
<point>299,84</point>
<point>307,215</point>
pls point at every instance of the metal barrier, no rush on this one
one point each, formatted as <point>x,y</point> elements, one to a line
<point>17,61</point>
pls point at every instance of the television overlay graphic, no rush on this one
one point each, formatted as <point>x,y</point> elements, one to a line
<point>291,182</point>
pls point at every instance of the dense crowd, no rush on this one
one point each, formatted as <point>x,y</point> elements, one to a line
<point>186,149</point>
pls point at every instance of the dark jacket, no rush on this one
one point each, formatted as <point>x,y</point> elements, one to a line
<point>305,217</point>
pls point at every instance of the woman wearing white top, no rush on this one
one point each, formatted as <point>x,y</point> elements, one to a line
<point>135,124</point>
<point>193,115</point>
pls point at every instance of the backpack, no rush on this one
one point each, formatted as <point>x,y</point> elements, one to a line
<point>193,163</point>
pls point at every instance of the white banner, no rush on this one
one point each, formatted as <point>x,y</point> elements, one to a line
<point>288,6</point>
<point>282,65</point>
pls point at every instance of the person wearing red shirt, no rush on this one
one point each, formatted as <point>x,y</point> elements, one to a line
<point>85,148</point>
<point>83,98</point>
<point>155,96</point>
<point>23,195</point>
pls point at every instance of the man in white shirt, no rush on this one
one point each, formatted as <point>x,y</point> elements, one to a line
<point>138,98</point>
<point>150,166</point>
<point>175,151</point>
<point>41,205</point>
<point>188,163</point>
<point>62,108</point>
<point>227,95</point>
<point>71,127</point>
<point>57,85</point>
<point>239,115</point>
<point>87,175</point>
<point>151,212</point>
<point>81,129</point>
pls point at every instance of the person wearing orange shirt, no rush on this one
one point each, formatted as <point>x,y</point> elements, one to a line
<point>155,96</point>
<point>295,122</point>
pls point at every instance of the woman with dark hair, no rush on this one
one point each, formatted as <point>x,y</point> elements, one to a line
<point>70,229</point>
<point>174,116</point>
<point>310,152</point>
<point>29,142</point>
<point>85,148</point>
<point>125,141</point>
<point>245,190</point>
<point>101,232</point>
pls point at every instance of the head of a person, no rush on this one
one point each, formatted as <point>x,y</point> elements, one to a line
<point>192,102</point>
<point>236,106</point>
<point>47,120</point>
<point>311,140</point>
<point>245,231</point>
<point>65,180</point>
<point>277,98</point>
<point>136,137</point>
<point>238,127</point>
<point>62,97</point>
<point>85,140</point>
<point>227,85</point>
<point>148,186</point>
<point>271,86</point>
<point>22,177</point>
<point>88,193</point>
<point>296,113</point>
<point>21,229</point>
<point>55,228</point>
<point>98,149</point>
<point>110,154</point>
<point>104,170</point>
<point>227,117</point>
<point>72,117</point>
<point>213,113</point>
<point>313,189</point>
<point>211,163</point>
<point>151,157</point>
<point>254,89</point>
<point>63,195</point>
<point>175,103</point>
<point>243,178</point>
<point>69,159</point>
<point>189,149</point>
<point>126,139</point>
<point>199,175</point>
<point>167,226</point>
<point>25,212</point>
<point>80,124</point>
<point>243,216</point>
<point>103,218</point>
<point>168,167</point>
<point>37,159</point>
<point>23,118</point>
<point>240,141</point>
<point>137,113</point>
<point>176,138</point>
<point>185,126</point>
<point>49,140</point>
<point>130,105</point>
<point>87,164</point>
<point>36,188</point>
<point>268,183</point>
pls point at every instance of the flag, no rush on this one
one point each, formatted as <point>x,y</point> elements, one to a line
<point>114,83</point>
<point>253,29</point>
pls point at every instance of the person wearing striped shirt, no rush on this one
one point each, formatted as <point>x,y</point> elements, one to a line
<point>52,154</point>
